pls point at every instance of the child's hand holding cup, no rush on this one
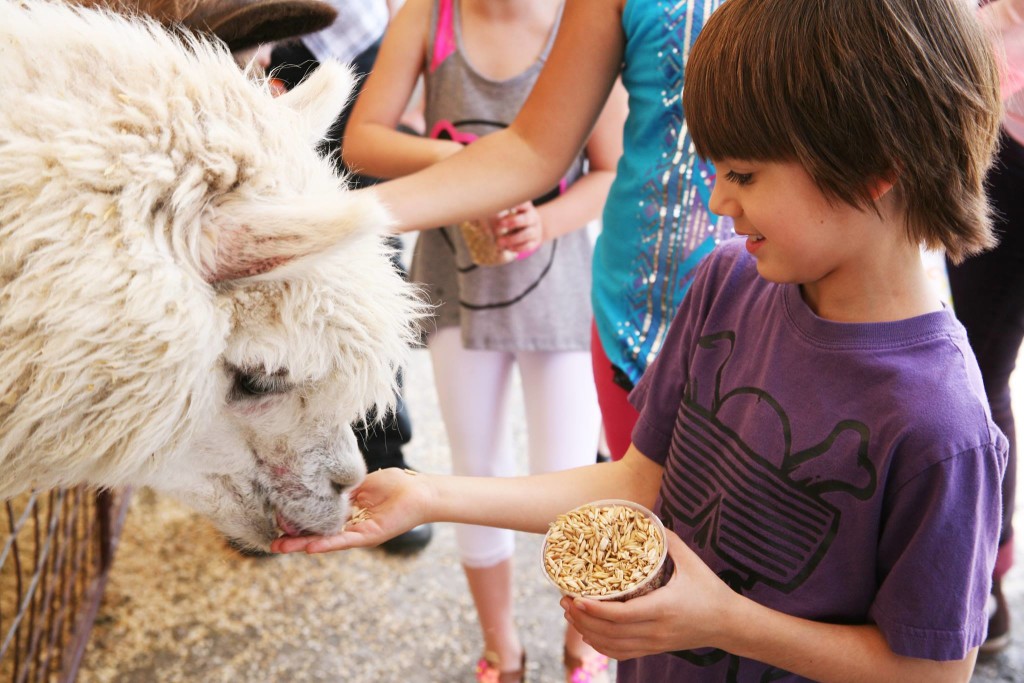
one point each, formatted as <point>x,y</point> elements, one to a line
<point>521,223</point>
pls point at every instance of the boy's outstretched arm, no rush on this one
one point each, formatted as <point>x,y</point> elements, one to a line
<point>396,501</point>
<point>696,609</point>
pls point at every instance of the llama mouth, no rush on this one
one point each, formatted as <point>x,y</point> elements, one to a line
<point>287,527</point>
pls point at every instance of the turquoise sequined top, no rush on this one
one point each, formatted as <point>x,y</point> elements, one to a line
<point>656,225</point>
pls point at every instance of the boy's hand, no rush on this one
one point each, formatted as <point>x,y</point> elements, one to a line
<point>392,501</point>
<point>519,229</point>
<point>683,614</point>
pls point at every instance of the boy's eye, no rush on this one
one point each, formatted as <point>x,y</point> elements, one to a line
<point>739,178</point>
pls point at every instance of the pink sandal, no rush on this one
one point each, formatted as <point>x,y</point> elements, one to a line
<point>592,668</point>
<point>487,670</point>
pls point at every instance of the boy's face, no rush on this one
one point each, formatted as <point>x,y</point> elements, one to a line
<point>793,230</point>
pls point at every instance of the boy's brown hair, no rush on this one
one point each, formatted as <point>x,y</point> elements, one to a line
<point>855,91</point>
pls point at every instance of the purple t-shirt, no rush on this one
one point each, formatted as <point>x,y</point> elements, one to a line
<point>842,472</point>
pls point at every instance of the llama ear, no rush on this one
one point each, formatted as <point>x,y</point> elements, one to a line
<point>245,239</point>
<point>320,97</point>
<point>244,24</point>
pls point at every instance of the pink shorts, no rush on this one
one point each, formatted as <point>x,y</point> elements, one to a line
<point>618,415</point>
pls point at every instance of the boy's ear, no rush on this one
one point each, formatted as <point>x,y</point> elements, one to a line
<point>320,98</point>
<point>882,185</point>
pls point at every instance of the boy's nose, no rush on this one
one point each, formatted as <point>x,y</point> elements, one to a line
<point>720,203</point>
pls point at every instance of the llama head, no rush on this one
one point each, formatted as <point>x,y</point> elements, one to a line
<point>189,297</point>
<point>306,356</point>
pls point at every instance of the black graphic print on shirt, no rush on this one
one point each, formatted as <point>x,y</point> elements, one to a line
<point>765,518</point>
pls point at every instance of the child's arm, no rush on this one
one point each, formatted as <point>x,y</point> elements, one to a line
<point>697,609</point>
<point>397,501</point>
<point>373,145</point>
<point>585,199</point>
<point>514,165</point>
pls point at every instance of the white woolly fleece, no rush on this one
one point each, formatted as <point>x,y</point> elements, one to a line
<point>143,180</point>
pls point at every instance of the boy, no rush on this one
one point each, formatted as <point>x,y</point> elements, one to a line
<point>814,430</point>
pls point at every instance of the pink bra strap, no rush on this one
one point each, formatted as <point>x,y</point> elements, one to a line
<point>444,36</point>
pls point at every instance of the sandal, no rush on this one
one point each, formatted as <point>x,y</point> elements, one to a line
<point>592,668</point>
<point>487,670</point>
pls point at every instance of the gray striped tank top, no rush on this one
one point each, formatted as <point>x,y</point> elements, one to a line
<point>538,303</point>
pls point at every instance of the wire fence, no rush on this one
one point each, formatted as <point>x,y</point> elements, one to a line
<point>57,549</point>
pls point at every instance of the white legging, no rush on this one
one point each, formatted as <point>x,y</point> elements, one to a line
<point>562,421</point>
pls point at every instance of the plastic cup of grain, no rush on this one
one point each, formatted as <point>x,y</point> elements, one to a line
<point>606,550</point>
<point>482,247</point>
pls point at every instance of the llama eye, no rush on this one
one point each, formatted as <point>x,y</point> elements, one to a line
<point>258,384</point>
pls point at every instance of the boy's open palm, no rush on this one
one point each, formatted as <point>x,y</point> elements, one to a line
<point>391,500</point>
<point>683,614</point>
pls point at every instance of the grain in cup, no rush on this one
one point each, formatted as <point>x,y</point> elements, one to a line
<point>606,550</point>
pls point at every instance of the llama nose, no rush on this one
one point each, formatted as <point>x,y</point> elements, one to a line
<point>344,481</point>
<point>345,468</point>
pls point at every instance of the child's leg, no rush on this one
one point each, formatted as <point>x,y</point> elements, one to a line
<point>617,412</point>
<point>562,415</point>
<point>472,389</point>
<point>563,422</point>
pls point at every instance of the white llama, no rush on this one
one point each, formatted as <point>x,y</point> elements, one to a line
<point>189,298</point>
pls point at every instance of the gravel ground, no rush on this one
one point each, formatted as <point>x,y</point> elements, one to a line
<point>181,607</point>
